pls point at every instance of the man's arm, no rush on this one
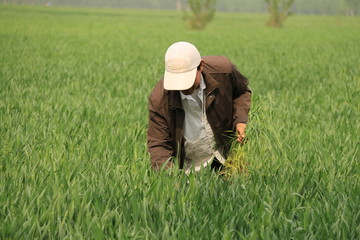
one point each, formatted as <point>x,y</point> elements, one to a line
<point>241,102</point>
<point>159,139</point>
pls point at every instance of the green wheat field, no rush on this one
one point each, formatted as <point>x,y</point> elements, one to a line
<point>74,85</point>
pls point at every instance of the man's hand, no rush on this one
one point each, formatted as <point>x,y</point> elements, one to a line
<point>240,128</point>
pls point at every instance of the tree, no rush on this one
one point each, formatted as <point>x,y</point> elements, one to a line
<point>178,5</point>
<point>353,6</point>
<point>279,11</point>
<point>199,13</point>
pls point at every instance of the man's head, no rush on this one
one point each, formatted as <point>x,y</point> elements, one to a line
<point>182,66</point>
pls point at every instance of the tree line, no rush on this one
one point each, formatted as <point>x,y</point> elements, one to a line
<point>198,13</point>
<point>344,7</point>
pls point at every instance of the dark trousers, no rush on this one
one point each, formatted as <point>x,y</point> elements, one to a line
<point>216,165</point>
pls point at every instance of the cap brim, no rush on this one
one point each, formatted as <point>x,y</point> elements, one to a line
<point>179,81</point>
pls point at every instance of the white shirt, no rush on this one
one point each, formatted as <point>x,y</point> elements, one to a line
<point>200,145</point>
<point>193,107</point>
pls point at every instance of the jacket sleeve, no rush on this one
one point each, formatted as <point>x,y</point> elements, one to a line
<point>241,97</point>
<point>158,139</point>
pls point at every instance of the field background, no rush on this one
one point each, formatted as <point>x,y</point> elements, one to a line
<point>74,85</point>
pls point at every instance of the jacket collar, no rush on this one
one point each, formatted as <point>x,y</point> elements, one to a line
<point>211,85</point>
<point>175,100</point>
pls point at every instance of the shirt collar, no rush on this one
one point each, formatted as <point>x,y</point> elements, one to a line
<point>201,88</point>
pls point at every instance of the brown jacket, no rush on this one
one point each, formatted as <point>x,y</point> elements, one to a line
<point>228,101</point>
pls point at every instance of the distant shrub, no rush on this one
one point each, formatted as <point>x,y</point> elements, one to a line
<point>199,13</point>
<point>279,10</point>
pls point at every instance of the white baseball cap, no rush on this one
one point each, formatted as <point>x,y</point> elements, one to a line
<point>181,62</point>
